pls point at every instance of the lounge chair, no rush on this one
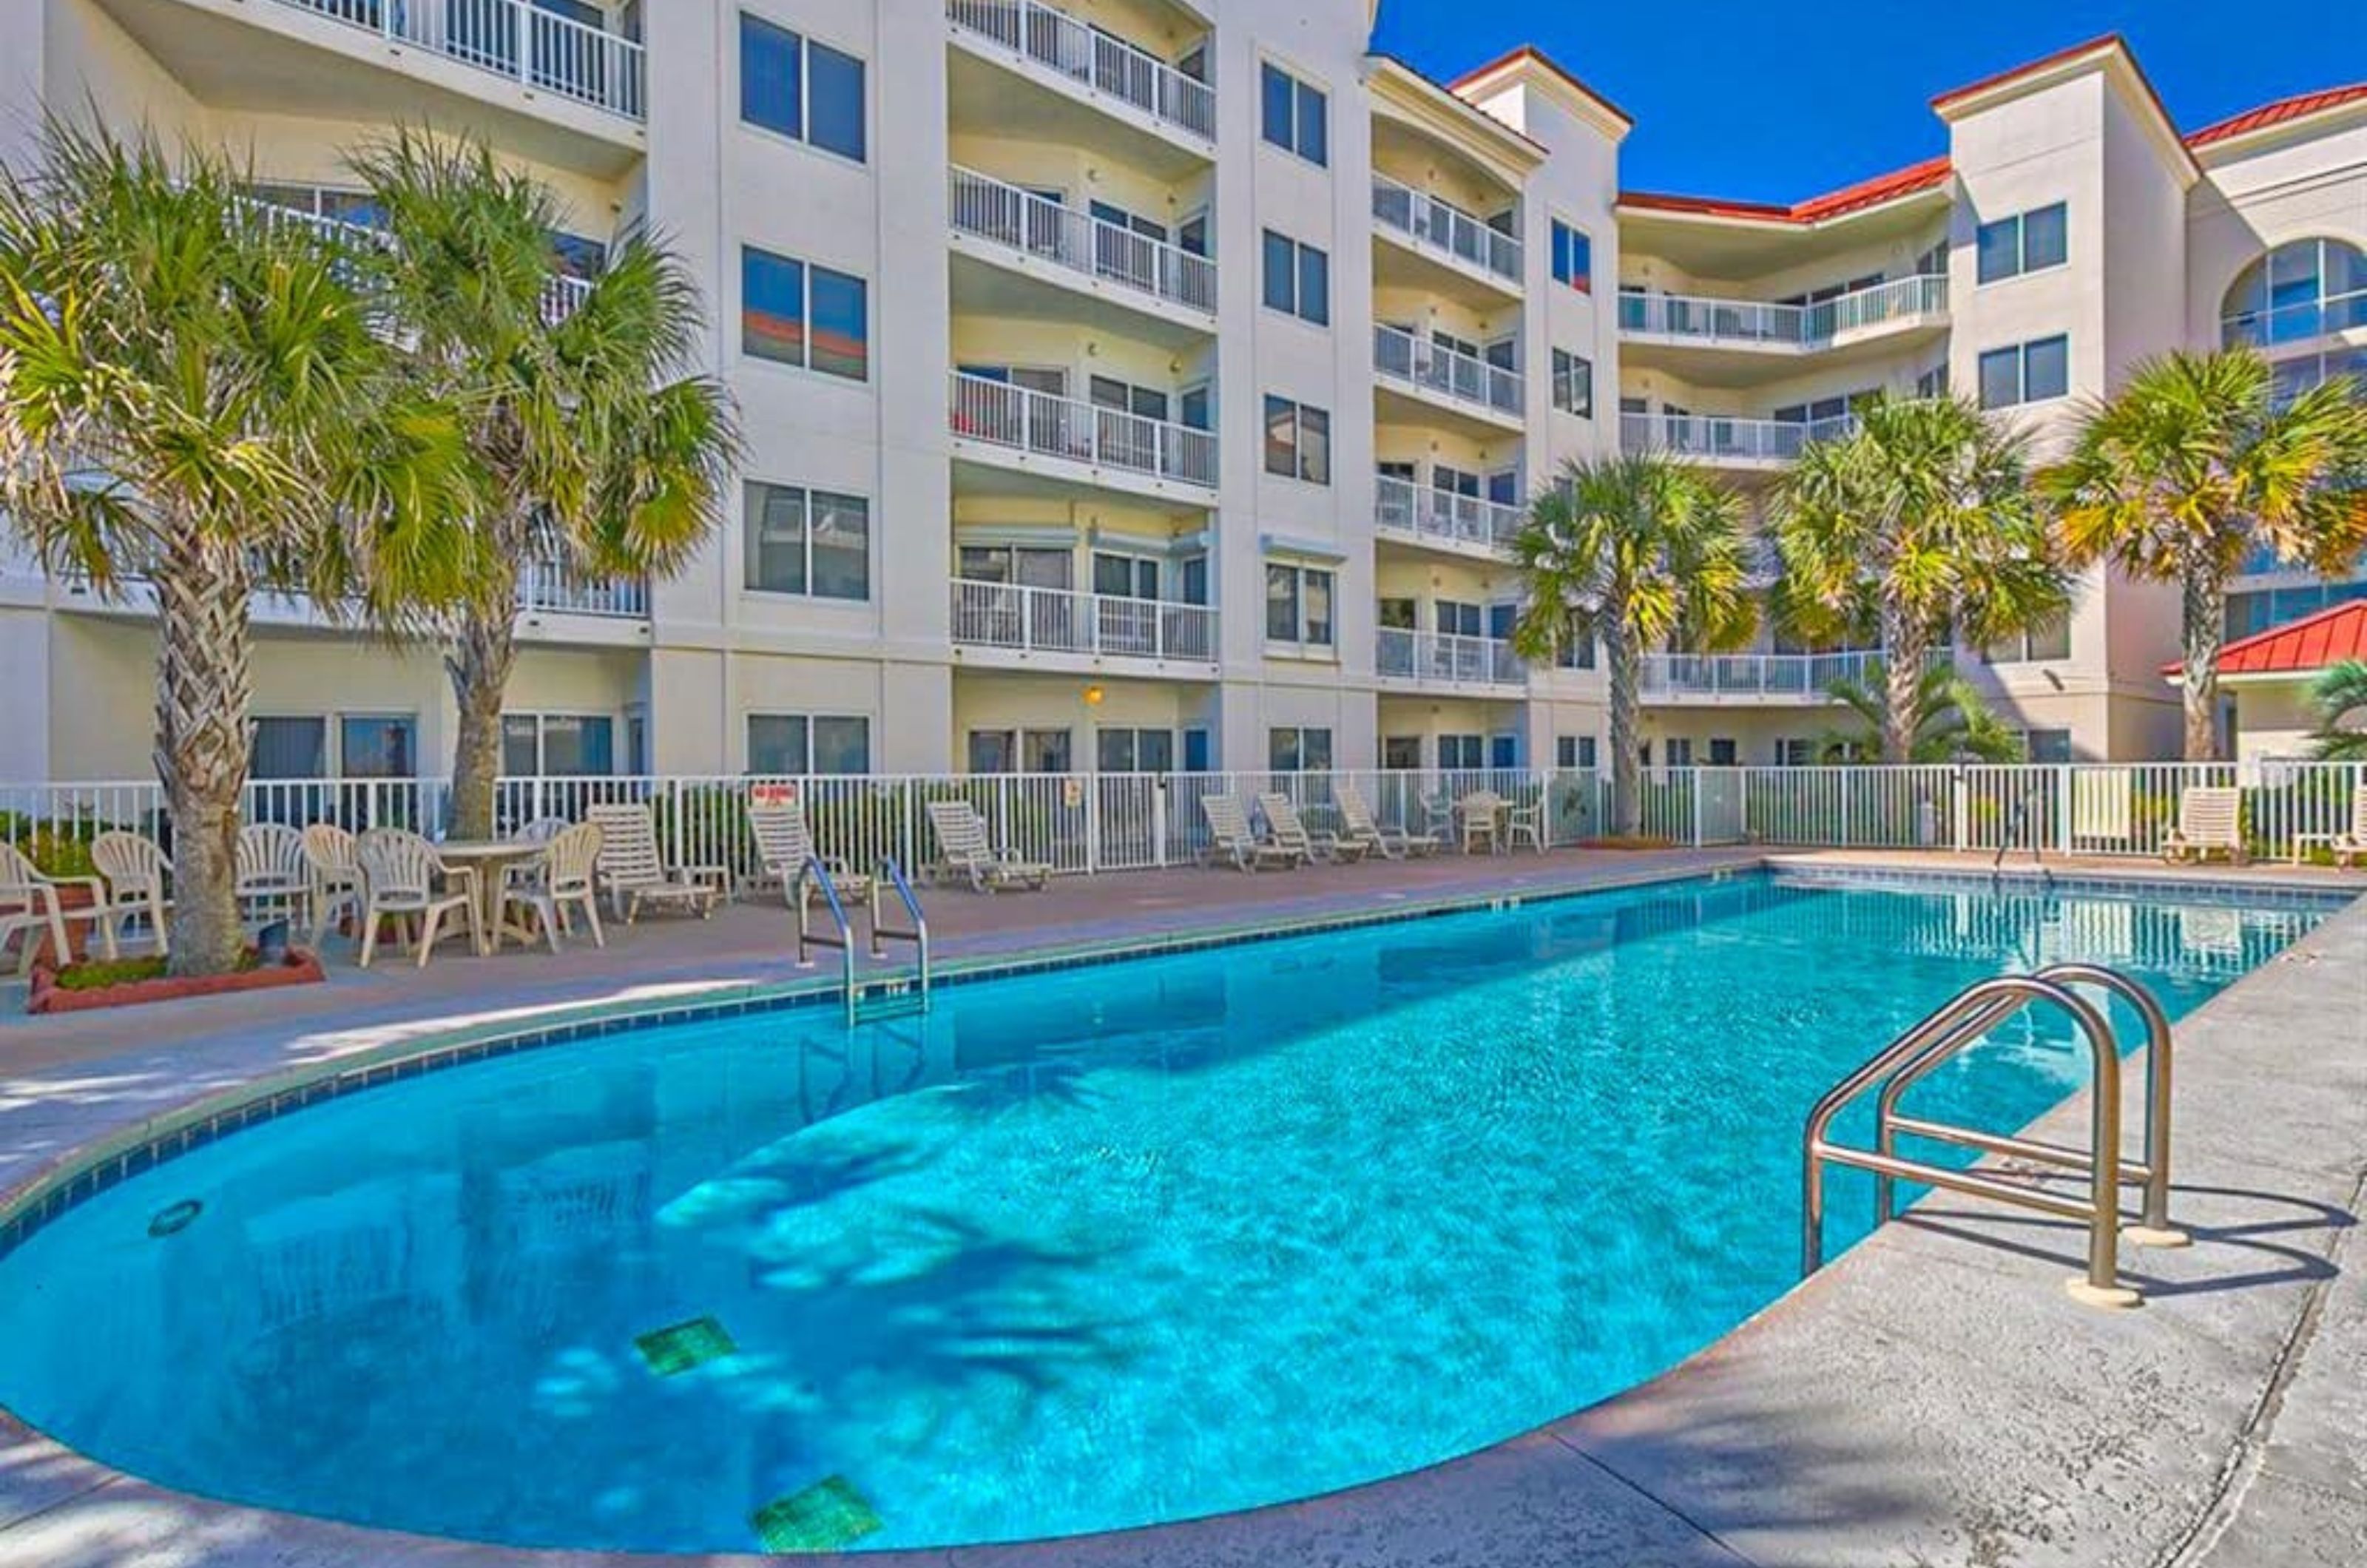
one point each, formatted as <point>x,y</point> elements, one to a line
<point>2351,844</point>
<point>558,878</point>
<point>271,868</point>
<point>1438,817</point>
<point>963,848</point>
<point>404,878</point>
<point>1282,820</point>
<point>1229,837</point>
<point>32,902</point>
<point>2210,821</point>
<point>333,867</point>
<point>635,873</point>
<point>138,881</point>
<point>785,843</point>
<point>1390,844</point>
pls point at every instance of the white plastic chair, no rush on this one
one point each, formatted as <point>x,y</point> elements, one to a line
<point>138,881</point>
<point>558,879</point>
<point>272,871</point>
<point>401,872</point>
<point>333,877</point>
<point>32,902</point>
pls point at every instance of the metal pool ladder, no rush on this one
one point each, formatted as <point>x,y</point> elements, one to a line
<point>891,995</point>
<point>1955,1027</point>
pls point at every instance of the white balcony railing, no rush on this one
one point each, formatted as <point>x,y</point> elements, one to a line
<point>1804,675</point>
<point>1436,226</point>
<point>1093,59</point>
<point>1716,438</point>
<point>1081,244</point>
<point>1400,356</point>
<point>515,39</point>
<point>1401,506</point>
<point>560,292</point>
<point>1054,620</point>
<point>1764,323</point>
<point>1038,423</point>
<point>543,588</point>
<point>1404,655</point>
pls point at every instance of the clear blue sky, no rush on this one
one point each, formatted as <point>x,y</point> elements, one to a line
<point>1773,103</point>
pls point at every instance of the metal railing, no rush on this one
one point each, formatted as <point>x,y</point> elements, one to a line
<point>1714,437</point>
<point>1093,58</point>
<point>1401,506</point>
<point>1024,421</point>
<point>546,588</point>
<point>1766,323</point>
<point>561,293</point>
<point>1400,356</point>
<point>515,39</point>
<point>1079,242</point>
<point>888,876</point>
<point>1448,230</point>
<point>1956,1026</point>
<point>1402,655</point>
<point>1055,620</point>
<point>1804,675</point>
<point>812,877</point>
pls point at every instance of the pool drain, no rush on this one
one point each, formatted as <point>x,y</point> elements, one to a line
<point>174,1218</point>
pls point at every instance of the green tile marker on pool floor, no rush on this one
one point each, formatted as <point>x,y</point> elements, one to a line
<point>684,1345</point>
<point>825,1517</point>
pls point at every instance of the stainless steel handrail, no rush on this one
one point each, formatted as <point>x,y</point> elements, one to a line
<point>810,874</point>
<point>2154,1227</point>
<point>1942,1033</point>
<point>917,933</point>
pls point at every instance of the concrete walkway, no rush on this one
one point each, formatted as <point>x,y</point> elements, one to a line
<point>1933,1398</point>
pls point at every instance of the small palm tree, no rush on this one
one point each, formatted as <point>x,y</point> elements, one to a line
<point>1919,523</point>
<point>2337,697</point>
<point>1639,548</point>
<point>1952,724</point>
<point>2193,465</point>
<point>191,393</point>
<point>595,451</point>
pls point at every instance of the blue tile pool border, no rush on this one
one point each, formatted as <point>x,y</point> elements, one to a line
<point>82,1174</point>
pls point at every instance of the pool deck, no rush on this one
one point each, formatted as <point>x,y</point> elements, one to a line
<point>1933,1398</point>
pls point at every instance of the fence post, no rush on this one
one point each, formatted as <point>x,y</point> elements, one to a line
<point>1960,807</point>
<point>1159,820</point>
<point>673,793</point>
<point>1696,782</point>
<point>2063,818</point>
<point>1092,793</point>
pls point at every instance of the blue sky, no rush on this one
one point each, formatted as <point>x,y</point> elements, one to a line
<point>1771,102</point>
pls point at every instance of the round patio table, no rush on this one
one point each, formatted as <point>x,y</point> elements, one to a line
<point>491,859</point>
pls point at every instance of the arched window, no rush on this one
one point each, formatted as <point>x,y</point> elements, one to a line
<point>2304,289</point>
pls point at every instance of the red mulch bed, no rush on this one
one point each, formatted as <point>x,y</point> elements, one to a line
<point>299,968</point>
<point>1638,842</point>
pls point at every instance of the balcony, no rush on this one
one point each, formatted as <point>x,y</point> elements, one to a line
<point>1014,427</point>
<point>1443,659</point>
<point>1449,375</point>
<point>545,588</point>
<point>1882,315</point>
<point>560,293</point>
<point>1786,678</point>
<point>1071,629</point>
<point>1029,234</point>
<point>1445,233</point>
<point>1720,442</point>
<point>1418,515</point>
<point>1099,70</point>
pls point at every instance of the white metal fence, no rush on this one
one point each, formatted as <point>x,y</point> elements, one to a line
<point>1093,59</point>
<point>550,52</point>
<point>1401,506</point>
<point>1435,225</point>
<point>1778,324</point>
<point>1053,620</point>
<point>1078,241</point>
<point>1716,436</point>
<point>1086,822</point>
<point>1405,655</point>
<point>1001,415</point>
<point>1400,356</point>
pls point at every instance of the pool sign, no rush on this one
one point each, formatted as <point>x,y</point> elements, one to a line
<point>782,793</point>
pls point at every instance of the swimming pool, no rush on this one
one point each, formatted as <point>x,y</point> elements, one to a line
<point>1078,1251</point>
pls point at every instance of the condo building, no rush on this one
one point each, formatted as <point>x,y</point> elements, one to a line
<point>1153,384</point>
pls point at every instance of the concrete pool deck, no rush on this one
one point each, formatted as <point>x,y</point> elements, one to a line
<point>1932,1398</point>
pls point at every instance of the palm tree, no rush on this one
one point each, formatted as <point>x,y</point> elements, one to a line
<point>595,451</point>
<point>1952,723</point>
<point>191,394</point>
<point>1639,548</point>
<point>1920,523</point>
<point>2337,696</point>
<point>2193,465</point>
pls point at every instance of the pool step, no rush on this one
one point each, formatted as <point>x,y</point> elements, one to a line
<point>814,877</point>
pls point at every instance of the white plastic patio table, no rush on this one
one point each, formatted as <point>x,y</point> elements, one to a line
<point>490,858</point>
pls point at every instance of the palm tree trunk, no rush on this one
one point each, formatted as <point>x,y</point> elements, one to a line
<point>2205,631</point>
<point>1904,647</point>
<point>205,689</point>
<point>484,647</point>
<point>1626,775</point>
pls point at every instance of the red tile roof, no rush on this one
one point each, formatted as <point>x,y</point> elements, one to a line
<point>2297,647</point>
<point>2031,68</point>
<point>1832,204</point>
<point>2283,109</point>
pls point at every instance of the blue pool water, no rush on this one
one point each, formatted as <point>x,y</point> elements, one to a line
<point>1078,1251</point>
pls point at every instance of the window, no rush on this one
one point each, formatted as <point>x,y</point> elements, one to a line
<point>796,743</point>
<point>807,542</point>
<point>1573,383</point>
<point>378,746</point>
<point>1721,752</point>
<point>1574,751</point>
<point>1124,751</point>
<point>1795,753</point>
<point>1298,441</point>
<point>2028,241</point>
<point>2047,745</point>
<point>1292,115</point>
<point>558,745</point>
<point>1504,749</point>
<point>1578,643</point>
<point>2026,373</point>
<point>1299,604</point>
<point>804,90</point>
<point>1298,751</point>
<point>1680,748</point>
<point>794,314</point>
<point>2303,289</point>
<point>1462,751</point>
<point>1018,751</point>
<point>1297,279</point>
<point>1573,258</point>
<point>1933,383</point>
<point>1401,753</point>
<point>288,748</point>
<point>2050,638</point>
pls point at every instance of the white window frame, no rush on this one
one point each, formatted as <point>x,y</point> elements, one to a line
<point>806,42</point>
<point>1302,645</point>
<point>750,512</point>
